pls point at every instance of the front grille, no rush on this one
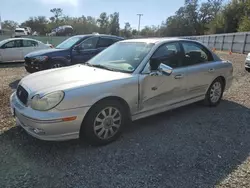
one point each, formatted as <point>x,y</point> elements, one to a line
<point>22,94</point>
<point>27,60</point>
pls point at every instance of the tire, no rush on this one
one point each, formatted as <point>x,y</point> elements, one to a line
<point>247,69</point>
<point>214,93</point>
<point>56,64</point>
<point>30,70</point>
<point>95,127</point>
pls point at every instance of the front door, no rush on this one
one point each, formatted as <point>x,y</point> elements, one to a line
<point>87,50</point>
<point>160,90</point>
<point>12,51</point>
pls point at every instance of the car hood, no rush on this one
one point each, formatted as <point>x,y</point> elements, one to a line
<point>44,52</point>
<point>68,78</point>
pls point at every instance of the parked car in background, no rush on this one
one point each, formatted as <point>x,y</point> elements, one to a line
<point>247,63</point>
<point>14,49</point>
<point>19,32</point>
<point>76,49</point>
<point>131,79</point>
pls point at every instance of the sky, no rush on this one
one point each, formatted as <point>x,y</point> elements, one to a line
<point>154,11</point>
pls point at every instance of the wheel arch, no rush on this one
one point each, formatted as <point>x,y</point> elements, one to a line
<point>220,77</point>
<point>116,98</point>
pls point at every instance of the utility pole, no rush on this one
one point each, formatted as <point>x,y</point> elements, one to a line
<point>139,22</point>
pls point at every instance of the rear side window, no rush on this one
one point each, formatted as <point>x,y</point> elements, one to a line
<point>89,43</point>
<point>105,42</point>
<point>195,54</point>
<point>29,43</point>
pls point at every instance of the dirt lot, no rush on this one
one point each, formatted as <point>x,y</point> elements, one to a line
<point>194,146</point>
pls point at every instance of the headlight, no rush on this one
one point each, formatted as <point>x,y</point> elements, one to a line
<point>41,58</point>
<point>46,102</point>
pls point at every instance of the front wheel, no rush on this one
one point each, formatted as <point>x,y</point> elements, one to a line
<point>30,70</point>
<point>214,93</point>
<point>247,69</point>
<point>103,123</point>
<point>56,64</point>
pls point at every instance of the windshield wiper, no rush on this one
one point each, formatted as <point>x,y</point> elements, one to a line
<point>88,64</point>
<point>102,67</point>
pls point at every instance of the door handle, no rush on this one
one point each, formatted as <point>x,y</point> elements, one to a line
<point>178,76</point>
<point>211,70</point>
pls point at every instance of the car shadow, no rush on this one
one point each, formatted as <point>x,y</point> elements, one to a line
<point>192,146</point>
<point>11,65</point>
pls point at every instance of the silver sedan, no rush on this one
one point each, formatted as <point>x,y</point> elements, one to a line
<point>131,79</point>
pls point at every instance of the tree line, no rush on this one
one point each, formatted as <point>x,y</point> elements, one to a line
<point>193,18</point>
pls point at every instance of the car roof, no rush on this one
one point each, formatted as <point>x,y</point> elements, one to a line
<point>18,38</point>
<point>157,40</point>
<point>100,35</point>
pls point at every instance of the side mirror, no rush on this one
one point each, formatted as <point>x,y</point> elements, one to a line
<point>77,48</point>
<point>154,64</point>
<point>166,70</point>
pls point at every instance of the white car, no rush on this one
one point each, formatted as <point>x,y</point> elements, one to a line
<point>20,32</point>
<point>14,49</point>
<point>247,63</point>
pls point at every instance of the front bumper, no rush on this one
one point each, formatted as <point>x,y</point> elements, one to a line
<point>34,64</point>
<point>48,125</point>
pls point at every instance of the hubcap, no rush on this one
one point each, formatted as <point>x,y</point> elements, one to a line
<point>215,92</point>
<point>107,123</point>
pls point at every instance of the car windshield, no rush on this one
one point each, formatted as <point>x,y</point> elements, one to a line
<point>68,43</point>
<point>122,56</point>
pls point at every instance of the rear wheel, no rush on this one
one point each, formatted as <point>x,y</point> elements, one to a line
<point>247,69</point>
<point>103,123</point>
<point>215,93</point>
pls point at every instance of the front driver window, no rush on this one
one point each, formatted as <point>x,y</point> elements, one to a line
<point>170,53</point>
<point>10,44</point>
<point>89,43</point>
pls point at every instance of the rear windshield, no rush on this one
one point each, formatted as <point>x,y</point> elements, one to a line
<point>19,31</point>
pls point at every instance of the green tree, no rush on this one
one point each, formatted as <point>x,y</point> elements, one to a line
<point>57,12</point>
<point>103,22</point>
<point>114,26</point>
<point>38,24</point>
<point>9,25</point>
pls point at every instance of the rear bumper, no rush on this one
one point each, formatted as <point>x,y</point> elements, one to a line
<point>48,125</point>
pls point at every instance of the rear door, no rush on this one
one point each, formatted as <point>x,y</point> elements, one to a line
<point>12,51</point>
<point>200,68</point>
<point>29,46</point>
<point>87,49</point>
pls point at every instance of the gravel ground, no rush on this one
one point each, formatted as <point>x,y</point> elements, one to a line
<point>193,146</point>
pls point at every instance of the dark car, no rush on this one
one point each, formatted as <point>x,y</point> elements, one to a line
<point>74,50</point>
